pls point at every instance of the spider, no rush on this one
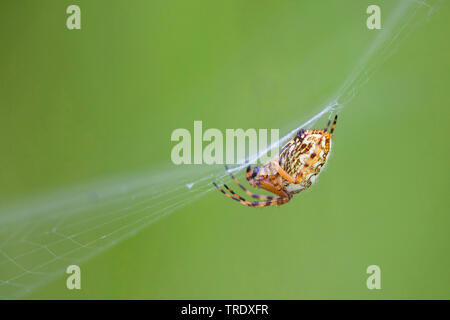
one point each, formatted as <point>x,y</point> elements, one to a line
<point>292,171</point>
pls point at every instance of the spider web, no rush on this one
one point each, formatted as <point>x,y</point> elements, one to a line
<point>41,236</point>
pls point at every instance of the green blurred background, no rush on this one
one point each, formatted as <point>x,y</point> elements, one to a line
<point>91,103</point>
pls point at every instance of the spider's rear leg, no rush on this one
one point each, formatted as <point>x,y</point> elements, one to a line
<point>238,198</point>
<point>251,194</point>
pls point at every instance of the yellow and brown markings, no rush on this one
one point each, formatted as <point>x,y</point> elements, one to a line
<point>295,169</point>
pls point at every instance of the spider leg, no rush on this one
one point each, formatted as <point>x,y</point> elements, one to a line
<point>238,198</point>
<point>284,174</point>
<point>234,193</point>
<point>334,125</point>
<point>266,184</point>
<point>328,125</point>
<point>251,194</point>
<point>248,175</point>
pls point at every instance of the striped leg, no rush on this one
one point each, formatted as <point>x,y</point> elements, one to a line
<point>236,197</point>
<point>251,194</point>
<point>284,174</point>
<point>249,176</point>
<point>328,125</point>
<point>334,125</point>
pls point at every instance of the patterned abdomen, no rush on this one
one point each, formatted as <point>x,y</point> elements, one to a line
<point>304,156</point>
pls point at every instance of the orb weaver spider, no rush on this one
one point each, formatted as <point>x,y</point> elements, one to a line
<point>292,171</point>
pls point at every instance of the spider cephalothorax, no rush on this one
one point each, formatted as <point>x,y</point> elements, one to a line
<point>292,171</point>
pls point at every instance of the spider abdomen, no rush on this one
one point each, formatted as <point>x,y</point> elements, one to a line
<point>305,159</point>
